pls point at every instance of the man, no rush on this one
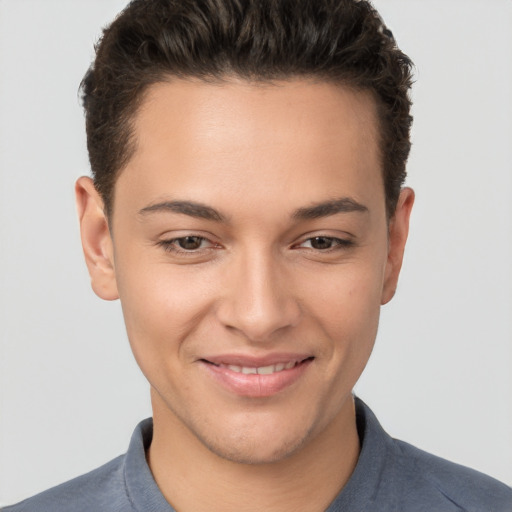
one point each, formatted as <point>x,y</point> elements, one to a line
<point>247,208</point>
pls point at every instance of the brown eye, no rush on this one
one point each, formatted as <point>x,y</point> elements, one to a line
<point>321,242</point>
<point>190,243</point>
<point>326,243</point>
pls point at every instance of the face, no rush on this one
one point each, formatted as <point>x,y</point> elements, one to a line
<point>251,253</point>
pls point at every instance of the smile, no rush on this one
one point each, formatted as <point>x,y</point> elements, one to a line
<point>256,379</point>
<point>261,370</point>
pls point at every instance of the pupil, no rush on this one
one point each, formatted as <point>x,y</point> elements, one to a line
<point>321,242</point>
<point>190,242</point>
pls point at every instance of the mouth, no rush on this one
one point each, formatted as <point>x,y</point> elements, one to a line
<point>256,378</point>
<point>260,370</point>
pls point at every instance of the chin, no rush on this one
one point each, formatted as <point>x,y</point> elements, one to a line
<point>252,452</point>
<point>257,443</point>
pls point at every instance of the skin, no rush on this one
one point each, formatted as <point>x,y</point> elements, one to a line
<point>257,282</point>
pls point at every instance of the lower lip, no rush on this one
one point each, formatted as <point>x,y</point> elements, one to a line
<point>255,385</point>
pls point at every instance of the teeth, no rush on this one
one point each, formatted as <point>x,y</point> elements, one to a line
<point>261,370</point>
<point>266,370</point>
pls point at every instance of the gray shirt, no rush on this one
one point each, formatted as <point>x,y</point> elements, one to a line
<point>390,476</point>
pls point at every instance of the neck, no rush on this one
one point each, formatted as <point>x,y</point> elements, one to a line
<point>192,478</point>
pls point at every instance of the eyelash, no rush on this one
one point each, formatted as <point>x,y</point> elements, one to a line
<point>172,247</point>
<point>339,243</point>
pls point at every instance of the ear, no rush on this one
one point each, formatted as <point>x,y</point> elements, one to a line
<point>397,236</point>
<point>96,240</point>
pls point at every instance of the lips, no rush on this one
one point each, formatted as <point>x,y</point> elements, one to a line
<point>256,376</point>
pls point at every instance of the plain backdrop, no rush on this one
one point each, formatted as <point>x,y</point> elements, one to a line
<point>440,376</point>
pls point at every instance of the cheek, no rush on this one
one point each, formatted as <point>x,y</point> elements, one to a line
<point>348,297</point>
<point>348,313</point>
<point>161,307</point>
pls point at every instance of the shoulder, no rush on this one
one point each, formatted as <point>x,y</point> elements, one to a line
<point>392,476</point>
<point>100,489</point>
<point>124,484</point>
<point>466,489</point>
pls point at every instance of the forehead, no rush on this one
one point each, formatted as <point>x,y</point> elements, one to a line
<point>306,139</point>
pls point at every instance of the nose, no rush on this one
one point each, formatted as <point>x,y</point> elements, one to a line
<point>258,300</point>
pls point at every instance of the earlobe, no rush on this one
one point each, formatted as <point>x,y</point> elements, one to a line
<point>96,239</point>
<point>398,231</point>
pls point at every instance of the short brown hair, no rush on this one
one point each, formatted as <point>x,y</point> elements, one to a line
<point>343,41</point>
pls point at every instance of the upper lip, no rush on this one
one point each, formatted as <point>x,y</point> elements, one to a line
<point>250,361</point>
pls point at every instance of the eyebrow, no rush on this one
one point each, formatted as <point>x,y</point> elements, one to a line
<point>190,208</point>
<point>327,208</point>
<point>202,211</point>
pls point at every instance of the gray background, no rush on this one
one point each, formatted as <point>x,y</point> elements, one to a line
<point>440,376</point>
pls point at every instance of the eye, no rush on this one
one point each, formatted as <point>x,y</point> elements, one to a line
<point>190,243</point>
<point>187,244</point>
<point>325,243</point>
